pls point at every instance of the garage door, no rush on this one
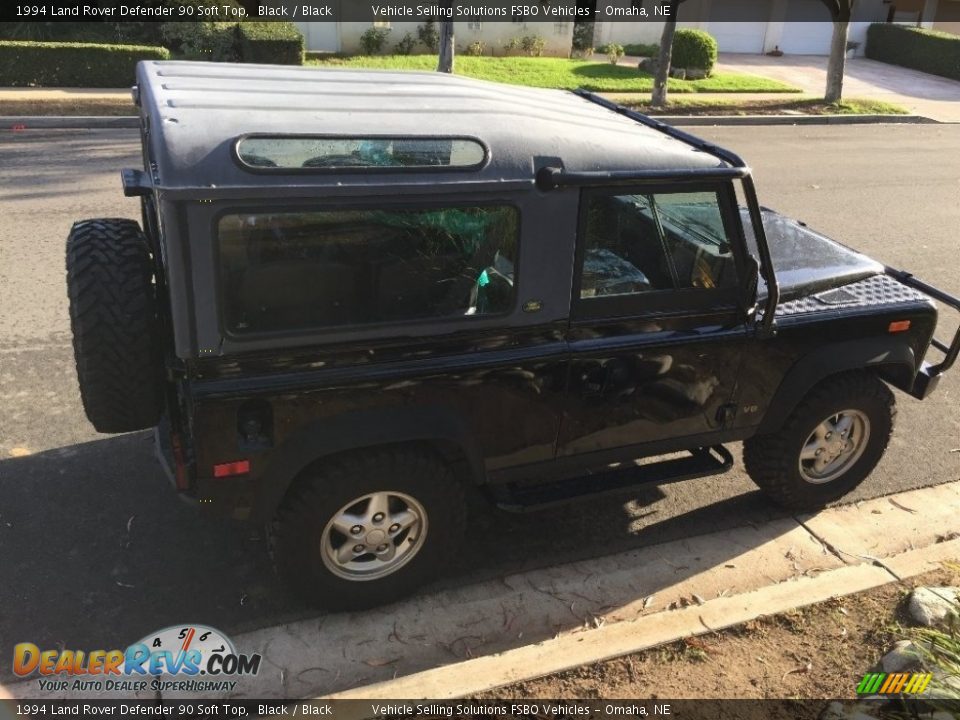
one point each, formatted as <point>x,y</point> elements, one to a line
<point>738,37</point>
<point>808,28</point>
<point>739,25</point>
<point>806,38</point>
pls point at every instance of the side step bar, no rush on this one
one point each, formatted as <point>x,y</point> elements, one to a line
<point>527,496</point>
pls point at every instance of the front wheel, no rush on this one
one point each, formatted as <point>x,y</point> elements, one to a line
<point>368,528</point>
<point>829,444</point>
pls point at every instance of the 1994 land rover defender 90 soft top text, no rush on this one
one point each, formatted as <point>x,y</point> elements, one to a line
<point>357,295</point>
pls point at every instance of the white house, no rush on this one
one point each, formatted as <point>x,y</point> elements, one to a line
<point>741,26</point>
<point>345,36</point>
<point>799,27</point>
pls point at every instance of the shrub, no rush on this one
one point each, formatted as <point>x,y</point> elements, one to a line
<point>512,46</point>
<point>642,49</point>
<point>25,64</point>
<point>929,51</point>
<point>613,51</point>
<point>694,49</point>
<point>429,35</point>
<point>405,45</point>
<point>533,45</point>
<point>270,42</point>
<point>475,49</point>
<point>374,40</point>
<point>202,40</point>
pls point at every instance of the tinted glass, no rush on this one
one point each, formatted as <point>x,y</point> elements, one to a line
<point>642,243</point>
<point>291,271</point>
<point>345,153</point>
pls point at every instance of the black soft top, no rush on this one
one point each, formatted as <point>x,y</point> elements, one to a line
<point>195,113</point>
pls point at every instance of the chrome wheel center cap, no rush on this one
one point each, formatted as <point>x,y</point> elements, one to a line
<point>376,537</point>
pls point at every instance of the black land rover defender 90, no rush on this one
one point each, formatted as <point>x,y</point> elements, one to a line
<point>356,294</point>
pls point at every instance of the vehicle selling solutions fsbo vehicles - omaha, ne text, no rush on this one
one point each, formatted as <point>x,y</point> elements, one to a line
<point>355,296</point>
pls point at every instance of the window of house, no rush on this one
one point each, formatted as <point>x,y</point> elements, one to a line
<point>560,28</point>
<point>475,26</point>
<point>289,271</point>
<point>640,243</point>
<point>317,152</point>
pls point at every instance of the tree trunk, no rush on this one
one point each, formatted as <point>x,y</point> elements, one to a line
<point>445,65</point>
<point>838,61</point>
<point>659,97</point>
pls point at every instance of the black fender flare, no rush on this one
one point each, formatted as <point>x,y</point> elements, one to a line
<point>364,429</point>
<point>892,357</point>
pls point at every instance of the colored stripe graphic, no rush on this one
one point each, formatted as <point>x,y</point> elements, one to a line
<point>894,683</point>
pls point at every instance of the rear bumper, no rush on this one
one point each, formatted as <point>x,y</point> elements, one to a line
<point>929,374</point>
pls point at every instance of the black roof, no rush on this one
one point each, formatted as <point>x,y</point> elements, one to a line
<point>196,112</point>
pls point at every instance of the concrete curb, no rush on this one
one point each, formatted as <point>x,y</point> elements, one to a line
<point>864,545</point>
<point>67,122</point>
<point>101,122</point>
<point>481,674</point>
<point>794,119</point>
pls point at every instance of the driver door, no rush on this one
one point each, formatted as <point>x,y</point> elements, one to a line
<point>657,320</point>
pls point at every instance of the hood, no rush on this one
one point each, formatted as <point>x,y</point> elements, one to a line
<point>805,261</point>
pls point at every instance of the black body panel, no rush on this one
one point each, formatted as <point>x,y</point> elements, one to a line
<point>805,261</point>
<point>545,392</point>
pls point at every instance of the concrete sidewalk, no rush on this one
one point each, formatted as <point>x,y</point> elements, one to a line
<point>920,93</point>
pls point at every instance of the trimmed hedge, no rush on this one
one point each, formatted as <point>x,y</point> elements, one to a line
<point>56,64</point>
<point>929,51</point>
<point>278,43</point>
<point>694,49</point>
<point>642,49</point>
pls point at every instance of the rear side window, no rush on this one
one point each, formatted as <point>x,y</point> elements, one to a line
<point>296,271</point>
<point>264,152</point>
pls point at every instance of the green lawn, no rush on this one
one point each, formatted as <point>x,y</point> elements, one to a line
<point>563,74</point>
<point>748,106</point>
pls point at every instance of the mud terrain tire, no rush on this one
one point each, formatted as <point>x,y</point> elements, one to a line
<point>113,316</point>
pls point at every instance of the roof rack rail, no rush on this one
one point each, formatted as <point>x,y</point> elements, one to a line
<point>556,177</point>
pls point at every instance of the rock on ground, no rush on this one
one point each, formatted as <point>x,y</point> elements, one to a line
<point>931,606</point>
<point>904,657</point>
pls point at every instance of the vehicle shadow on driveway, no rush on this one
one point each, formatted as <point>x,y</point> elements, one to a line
<point>96,550</point>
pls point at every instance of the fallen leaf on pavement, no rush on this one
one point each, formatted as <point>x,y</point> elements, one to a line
<point>902,507</point>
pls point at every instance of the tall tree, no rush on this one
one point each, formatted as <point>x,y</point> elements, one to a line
<point>840,11</point>
<point>659,95</point>
<point>445,64</point>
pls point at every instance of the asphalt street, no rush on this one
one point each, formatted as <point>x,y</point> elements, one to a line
<point>95,548</point>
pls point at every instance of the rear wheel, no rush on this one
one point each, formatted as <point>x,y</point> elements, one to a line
<point>368,528</point>
<point>829,444</point>
<point>113,317</point>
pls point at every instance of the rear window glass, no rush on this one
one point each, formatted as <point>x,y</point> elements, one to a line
<point>296,271</point>
<point>317,153</point>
